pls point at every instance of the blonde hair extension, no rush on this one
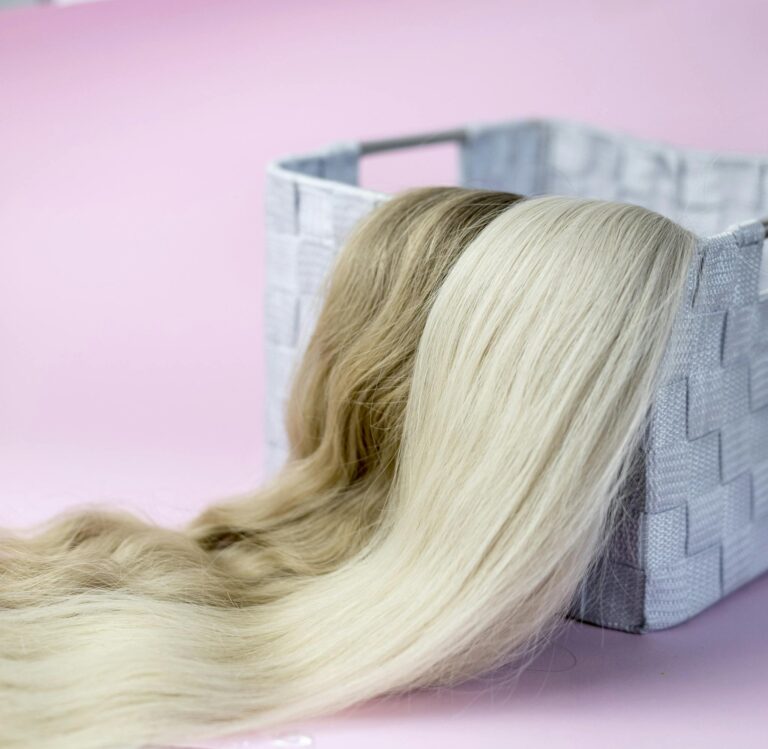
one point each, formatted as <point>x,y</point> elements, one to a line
<point>522,405</point>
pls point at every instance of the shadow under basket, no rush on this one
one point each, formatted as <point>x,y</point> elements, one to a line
<point>696,523</point>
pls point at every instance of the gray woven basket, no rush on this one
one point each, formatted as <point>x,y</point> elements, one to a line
<point>697,520</point>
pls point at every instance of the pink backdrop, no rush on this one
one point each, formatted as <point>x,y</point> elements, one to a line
<point>133,139</point>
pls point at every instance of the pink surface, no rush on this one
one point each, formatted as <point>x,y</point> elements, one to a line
<point>133,139</point>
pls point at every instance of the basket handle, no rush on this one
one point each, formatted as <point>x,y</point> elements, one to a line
<point>411,141</point>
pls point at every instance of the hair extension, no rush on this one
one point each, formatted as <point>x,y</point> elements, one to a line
<point>524,403</point>
<point>344,426</point>
<point>345,411</point>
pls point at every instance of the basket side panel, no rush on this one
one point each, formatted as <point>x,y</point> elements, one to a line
<point>706,529</point>
<point>510,157</point>
<point>308,220</point>
<point>705,192</point>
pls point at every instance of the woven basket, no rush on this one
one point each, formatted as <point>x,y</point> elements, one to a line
<point>697,525</point>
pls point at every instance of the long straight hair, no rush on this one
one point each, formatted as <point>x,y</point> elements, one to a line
<point>523,404</point>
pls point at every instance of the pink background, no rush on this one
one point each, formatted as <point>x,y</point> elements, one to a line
<point>133,140</point>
